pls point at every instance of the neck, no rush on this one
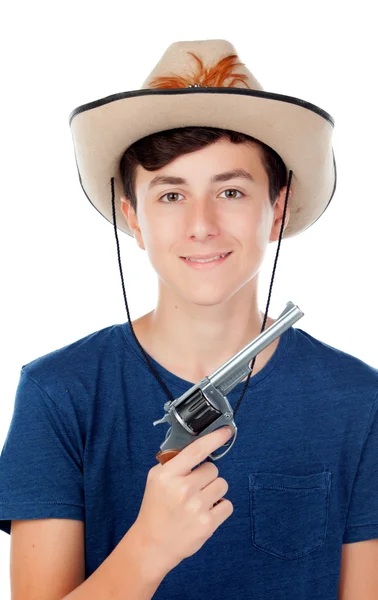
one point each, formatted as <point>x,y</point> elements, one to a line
<point>193,340</point>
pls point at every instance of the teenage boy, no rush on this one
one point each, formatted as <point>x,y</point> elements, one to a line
<point>199,164</point>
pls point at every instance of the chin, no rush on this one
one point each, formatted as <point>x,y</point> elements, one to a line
<point>206,297</point>
<point>204,293</point>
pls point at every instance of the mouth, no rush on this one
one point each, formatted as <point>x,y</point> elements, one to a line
<point>205,263</point>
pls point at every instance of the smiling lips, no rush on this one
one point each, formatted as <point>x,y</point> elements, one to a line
<point>204,263</point>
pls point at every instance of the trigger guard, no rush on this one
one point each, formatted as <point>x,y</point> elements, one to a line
<point>216,457</point>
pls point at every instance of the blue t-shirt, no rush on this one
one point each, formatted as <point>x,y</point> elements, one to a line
<point>302,474</point>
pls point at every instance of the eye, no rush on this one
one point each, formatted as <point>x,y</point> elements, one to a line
<point>232,190</point>
<point>169,194</point>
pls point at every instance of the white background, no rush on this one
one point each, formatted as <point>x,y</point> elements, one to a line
<point>59,271</point>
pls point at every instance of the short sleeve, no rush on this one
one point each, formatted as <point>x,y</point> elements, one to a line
<point>41,474</point>
<point>362,520</point>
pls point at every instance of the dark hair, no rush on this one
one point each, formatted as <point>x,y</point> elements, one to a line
<point>158,149</point>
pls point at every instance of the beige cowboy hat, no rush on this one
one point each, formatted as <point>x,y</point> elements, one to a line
<point>204,83</point>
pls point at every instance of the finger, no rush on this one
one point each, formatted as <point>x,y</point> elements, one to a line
<point>198,451</point>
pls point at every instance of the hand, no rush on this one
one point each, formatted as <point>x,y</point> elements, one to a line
<point>182,505</point>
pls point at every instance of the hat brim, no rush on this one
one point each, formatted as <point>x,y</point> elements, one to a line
<point>300,132</point>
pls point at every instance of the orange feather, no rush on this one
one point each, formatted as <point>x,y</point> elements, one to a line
<point>211,77</point>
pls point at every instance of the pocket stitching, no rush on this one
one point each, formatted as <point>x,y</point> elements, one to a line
<point>325,487</point>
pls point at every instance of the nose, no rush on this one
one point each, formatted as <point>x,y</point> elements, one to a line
<point>202,219</point>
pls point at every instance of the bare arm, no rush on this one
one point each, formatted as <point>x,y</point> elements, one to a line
<point>46,558</point>
<point>48,563</point>
<point>131,571</point>
<point>359,571</point>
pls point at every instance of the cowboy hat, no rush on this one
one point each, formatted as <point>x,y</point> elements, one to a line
<point>204,83</point>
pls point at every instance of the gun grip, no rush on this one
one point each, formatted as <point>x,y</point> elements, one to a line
<point>166,455</point>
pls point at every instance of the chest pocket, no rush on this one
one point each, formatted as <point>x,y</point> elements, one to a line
<point>289,513</point>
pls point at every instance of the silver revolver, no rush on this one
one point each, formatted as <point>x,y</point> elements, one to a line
<point>204,407</point>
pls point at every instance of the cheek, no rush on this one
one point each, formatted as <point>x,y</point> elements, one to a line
<point>262,230</point>
<point>155,224</point>
<point>252,230</point>
<point>158,241</point>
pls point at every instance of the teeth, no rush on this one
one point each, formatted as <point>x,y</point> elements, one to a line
<point>203,260</point>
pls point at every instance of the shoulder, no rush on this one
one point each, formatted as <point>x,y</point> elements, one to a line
<point>77,362</point>
<point>334,366</point>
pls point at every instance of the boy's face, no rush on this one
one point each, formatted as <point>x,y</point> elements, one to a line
<point>198,218</point>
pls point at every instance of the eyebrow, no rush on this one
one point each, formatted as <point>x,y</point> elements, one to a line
<point>226,176</point>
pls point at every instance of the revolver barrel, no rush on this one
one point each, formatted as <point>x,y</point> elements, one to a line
<point>237,368</point>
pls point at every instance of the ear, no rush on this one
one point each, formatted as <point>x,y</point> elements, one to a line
<point>132,220</point>
<point>278,214</point>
